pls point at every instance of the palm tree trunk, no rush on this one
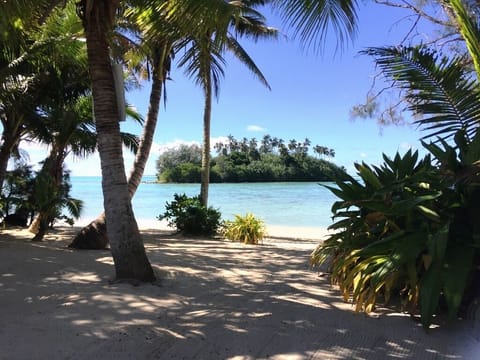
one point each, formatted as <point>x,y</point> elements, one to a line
<point>4,157</point>
<point>9,139</point>
<point>205,174</point>
<point>53,167</point>
<point>126,243</point>
<point>94,235</point>
<point>146,139</point>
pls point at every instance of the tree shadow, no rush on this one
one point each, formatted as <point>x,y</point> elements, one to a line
<point>216,300</point>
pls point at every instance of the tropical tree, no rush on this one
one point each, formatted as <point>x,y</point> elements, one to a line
<point>49,198</point>
<point>149,59</point>
<point>126,244</point>
<point>42,69</point>
<point>203,60</point>
<point>311,21</point>
<point>442,264</point>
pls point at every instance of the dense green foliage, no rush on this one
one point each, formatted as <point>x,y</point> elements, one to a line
<point>247,229</point>
<point>26,193</point>
<point>248,161</point>
<point>15,195</point>
<point>190,217</point>
<point>408,227</point>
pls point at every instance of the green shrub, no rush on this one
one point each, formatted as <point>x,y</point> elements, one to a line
<point>190,217</point>
<point>403,229</point>
<point>247,229</point>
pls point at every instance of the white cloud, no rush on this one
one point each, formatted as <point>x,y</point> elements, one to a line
<point>256,128</point>
<point>363,155</point>
<point>161,148</point>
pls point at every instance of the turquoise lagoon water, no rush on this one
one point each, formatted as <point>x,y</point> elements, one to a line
<point>285,204</point>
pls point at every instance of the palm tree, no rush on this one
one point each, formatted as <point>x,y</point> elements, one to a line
<point>71,130</point>
<point>310,18</point>
<point>126,244</point>
<point>30,71</point>
<point>203,60</point>
<point>151,59</point>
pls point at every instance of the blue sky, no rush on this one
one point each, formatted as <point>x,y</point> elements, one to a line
<point>311,97</point>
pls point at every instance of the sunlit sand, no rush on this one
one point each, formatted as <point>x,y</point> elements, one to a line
<point>215,300</point>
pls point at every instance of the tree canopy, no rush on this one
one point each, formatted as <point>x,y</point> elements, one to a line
<point>248,160</point>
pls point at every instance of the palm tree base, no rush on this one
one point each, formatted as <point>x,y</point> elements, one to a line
<point>93,236</point>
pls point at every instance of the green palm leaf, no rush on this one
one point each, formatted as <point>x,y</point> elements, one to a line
<point>311,20</point>
<point>234,46</point>
<point>438,89</point>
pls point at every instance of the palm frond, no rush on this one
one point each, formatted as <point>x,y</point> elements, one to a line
<point>234,46</point>
<point>470,30</point>
<point>130,141</point>
<point>73,206</point>
<point>202,58</point>
<point>438,89</point>
<point>133,114</point>
<point>312,20</point>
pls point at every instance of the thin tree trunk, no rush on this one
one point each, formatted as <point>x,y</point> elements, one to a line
<point>94,235</point>
<point>42,226</point>
<point>126,243</point>
<point>146,140</point>
<point>8,144</point>
<point>53,167</point>
<point>4,157</point>
<point>205,174</point>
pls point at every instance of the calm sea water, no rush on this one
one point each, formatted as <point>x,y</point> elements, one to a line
<point>286,204</point>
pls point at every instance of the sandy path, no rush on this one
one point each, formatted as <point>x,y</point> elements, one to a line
<point>217,300</point>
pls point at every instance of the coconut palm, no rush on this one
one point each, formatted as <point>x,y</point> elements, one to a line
<point>149,59</point>
<point>28,67</point>
<point>203,60</point>
<point>126,244</point>
<point>310,18</point>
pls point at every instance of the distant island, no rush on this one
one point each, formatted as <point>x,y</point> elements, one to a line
<point>247,160</point>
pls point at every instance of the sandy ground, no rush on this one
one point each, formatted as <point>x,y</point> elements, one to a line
<point>216,300</point>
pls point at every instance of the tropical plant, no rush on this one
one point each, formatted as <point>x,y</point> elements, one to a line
<point>247,229</point>
<point>401,232</point>
<point>33,79</point>
<point>189,216</point>
<point>98,17</point>
<point>414,226</point>
<point>203,60</point>
<point>149,59</point>
<point>128,251</point>
<point>49,199</point>
<point>15,194</point>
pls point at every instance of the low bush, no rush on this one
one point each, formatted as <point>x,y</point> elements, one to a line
<point>247,229</point>
<point>189,216</point>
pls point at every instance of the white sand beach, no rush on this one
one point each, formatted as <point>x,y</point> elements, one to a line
<point>215,300</point>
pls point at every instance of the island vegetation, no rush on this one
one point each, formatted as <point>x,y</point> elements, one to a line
<point>248,160</point>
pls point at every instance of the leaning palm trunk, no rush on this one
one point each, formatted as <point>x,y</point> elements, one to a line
<point>94,235</point>
<point>205,174</point>
<point>126,243</point>
<point>39,226</point>
<point>53,170</point>
<point>9,142</point>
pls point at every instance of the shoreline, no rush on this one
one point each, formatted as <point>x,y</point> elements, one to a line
<point>273,231</point>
